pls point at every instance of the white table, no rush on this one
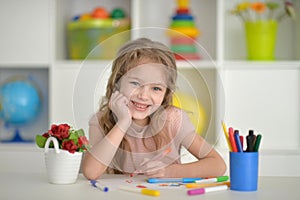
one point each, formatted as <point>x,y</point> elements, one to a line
<point>33,186</point>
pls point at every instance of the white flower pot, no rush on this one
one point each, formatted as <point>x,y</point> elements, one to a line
<point>62,166</point>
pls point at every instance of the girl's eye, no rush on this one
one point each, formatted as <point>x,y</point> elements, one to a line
<point>134,83</point>
<point>157,89</point>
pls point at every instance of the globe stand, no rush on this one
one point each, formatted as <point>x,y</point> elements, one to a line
<point>17,138</point>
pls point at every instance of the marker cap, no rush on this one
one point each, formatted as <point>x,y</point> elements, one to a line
<point>196,191</point>
<point>222,178</point>
<point>150,192</point>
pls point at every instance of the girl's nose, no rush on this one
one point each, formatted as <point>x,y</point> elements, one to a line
<point>143,92</point>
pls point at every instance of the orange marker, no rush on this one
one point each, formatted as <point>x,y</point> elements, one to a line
<point>232,140</point>
<point>203,185</point>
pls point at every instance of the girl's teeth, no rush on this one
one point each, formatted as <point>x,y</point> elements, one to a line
<point>140,105</point>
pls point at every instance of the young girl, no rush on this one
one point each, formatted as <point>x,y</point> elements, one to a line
<point>136,129</point>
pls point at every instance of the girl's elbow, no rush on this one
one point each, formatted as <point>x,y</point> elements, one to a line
<point>91,168</point>
<point>91,174</point>
<point>222,167</point>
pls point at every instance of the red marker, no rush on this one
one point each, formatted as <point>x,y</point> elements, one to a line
<point>242,141</point>
<point>232,140</point>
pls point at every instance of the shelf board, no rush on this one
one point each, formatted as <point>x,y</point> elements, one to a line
<point>19,64</point>
<point>280,151</point>
<point>76,64</point>
<point>206,64</point>
<point>270,65</point>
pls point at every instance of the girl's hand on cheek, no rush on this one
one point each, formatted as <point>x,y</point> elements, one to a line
<point>119,106</point>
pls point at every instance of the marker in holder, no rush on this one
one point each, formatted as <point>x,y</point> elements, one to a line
<point>243,171</point>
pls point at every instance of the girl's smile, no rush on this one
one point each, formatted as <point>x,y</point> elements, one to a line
<point>139,106</point>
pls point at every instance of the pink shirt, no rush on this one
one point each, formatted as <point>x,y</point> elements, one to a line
<point>173,129</point>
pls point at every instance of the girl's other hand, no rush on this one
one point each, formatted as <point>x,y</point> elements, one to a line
<point>155,169</point>
<point>119,106</point>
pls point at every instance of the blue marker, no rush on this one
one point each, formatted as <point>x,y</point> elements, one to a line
<point>96,184</point>
<point>172,180</point>
<point>238,141</point>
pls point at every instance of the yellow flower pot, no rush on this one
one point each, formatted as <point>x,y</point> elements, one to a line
<point>261,39</point>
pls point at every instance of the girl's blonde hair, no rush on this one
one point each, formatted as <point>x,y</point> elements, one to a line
<point>132,54</point>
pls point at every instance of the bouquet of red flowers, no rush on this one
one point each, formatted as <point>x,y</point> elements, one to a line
<point>68,138</point>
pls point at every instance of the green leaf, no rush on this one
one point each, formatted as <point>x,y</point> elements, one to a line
<point>73,136</point>
<point>80,132</point>
<point>40,141</point>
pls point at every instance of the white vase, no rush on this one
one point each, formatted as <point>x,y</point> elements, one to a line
<point>62,166</point>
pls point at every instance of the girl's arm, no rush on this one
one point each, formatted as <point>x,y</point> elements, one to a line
<point>209,164</point>
<point>103,149</point>
<point>96,161</point>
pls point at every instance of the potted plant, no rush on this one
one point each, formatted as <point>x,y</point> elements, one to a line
<point>63,152</point>
<point>261,20</point>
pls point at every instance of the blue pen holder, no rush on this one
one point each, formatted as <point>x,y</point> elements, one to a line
<point>243,171</point>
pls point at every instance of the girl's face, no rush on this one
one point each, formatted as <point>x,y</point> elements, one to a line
<point>145,87</point>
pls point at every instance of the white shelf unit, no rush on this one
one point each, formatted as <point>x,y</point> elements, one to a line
<point>246,94</point>
<point>262,95</point>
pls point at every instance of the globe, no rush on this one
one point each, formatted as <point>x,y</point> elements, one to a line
<point>19,102</point>
<point>193,107</point>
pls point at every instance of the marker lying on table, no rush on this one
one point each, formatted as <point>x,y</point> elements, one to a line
<point>206,190</point>
<point>202,185</point>
<point>213,180</point>
<point>144,191</point>
<point>172,180</point>
<point>96,184</point>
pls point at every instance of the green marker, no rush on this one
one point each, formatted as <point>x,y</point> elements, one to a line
<point>213,180</point>
<point>257,143</point>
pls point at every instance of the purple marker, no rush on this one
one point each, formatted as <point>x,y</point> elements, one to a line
<point>207,189</point>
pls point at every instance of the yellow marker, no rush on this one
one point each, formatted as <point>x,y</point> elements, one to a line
<point>226,136</point>
<point>203,185</point>
<point>144,191</point>
<point>150,192</point>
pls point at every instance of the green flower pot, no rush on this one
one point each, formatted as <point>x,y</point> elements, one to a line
<point>261,39</point>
